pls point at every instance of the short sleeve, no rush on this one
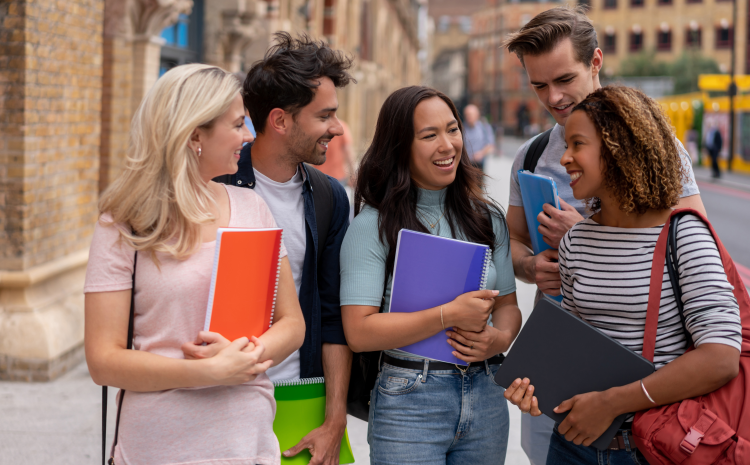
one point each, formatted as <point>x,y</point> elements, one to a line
<point>362,259</point>
<point>689,186</point>
<point>505,282</point>
<point>249,210</point>
<point>110,265</point>
<point>515,199</point>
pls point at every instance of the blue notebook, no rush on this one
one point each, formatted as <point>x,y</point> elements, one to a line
<point>536,190</point>
<point>430,271</point>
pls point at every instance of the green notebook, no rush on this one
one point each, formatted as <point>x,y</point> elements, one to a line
<point>300,408</point>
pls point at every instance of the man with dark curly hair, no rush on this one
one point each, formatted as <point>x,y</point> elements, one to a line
<point>560,53</point>
<point>291,98</point>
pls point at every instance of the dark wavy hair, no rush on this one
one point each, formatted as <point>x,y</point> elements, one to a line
<point>384,181</point>
<point>641,165</point>
<point>288,74</point>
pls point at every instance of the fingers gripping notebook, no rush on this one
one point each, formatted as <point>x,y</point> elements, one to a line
<point>300,408</point>
<point>430,271</point>
<point>244,282</point>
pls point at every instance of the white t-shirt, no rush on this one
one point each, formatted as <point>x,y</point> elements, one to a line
<point>288,208</point>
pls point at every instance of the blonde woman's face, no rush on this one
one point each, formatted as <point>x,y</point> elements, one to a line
<point>582,157</point>
<point>221,144</point>
<point>436,149</point>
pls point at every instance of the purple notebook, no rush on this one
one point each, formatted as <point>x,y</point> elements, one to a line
<point>431,271</point>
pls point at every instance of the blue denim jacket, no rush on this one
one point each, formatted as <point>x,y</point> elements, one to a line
<point>319,291</point>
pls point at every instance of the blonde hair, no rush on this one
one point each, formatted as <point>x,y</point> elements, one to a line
<point>161,195</point>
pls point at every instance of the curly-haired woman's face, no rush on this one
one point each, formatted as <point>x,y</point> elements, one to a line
<point>437,145</point>
<point>582,157</point>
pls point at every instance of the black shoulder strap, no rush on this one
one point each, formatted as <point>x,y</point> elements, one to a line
<point>323,199</point>
<point>131,328</point>
<point>535,150</point>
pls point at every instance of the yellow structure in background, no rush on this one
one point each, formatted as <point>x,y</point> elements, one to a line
<point>681,111</point>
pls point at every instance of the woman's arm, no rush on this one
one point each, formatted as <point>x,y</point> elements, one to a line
<point>288,331</point>
<point>492,340</point>
<point>367,330</point>
<point>111,363</point>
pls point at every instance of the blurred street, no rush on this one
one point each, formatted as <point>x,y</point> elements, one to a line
<point>59,422</point>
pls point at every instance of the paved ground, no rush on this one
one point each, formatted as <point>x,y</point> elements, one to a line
<point>59,422</point>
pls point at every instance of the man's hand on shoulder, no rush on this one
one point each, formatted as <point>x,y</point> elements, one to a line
<point>324,443</point>
<point>554,223</point>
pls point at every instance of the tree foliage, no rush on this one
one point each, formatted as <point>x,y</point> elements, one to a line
<point>684,70</point>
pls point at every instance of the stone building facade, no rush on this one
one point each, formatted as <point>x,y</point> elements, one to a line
<point>669,27</point>
<point>72,72</point>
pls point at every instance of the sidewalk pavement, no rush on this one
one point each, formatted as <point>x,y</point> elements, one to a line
<point>731,179</point>
<point>60,422</point>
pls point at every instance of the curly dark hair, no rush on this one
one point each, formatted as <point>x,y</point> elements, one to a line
<point>288,75</point>
<point>641,164</point>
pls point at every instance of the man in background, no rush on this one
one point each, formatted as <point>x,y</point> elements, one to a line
<point>478,136</point>
<point>714,143</point>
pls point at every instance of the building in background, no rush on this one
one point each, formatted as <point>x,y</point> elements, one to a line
<point>450,29</point>
<point>71,75</point>
<point>497,82</point>
<point>670,27</point>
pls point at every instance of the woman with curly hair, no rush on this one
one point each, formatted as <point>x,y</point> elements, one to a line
<point>622,159</point>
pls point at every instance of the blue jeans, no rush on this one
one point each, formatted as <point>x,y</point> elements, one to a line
<point>563,452</point>
<point>438,417</point>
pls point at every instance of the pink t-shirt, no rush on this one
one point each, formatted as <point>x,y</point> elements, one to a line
<point>217,425</point>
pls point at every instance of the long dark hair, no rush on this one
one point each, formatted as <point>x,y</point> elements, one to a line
<point>384,181</point>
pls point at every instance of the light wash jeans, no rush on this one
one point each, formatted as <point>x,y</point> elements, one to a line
<point>438,417</point>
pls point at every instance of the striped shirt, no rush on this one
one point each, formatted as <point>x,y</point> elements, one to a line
<point>606,272</point>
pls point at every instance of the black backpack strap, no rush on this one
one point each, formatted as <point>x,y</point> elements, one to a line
<point>673,273</point>
<point>131,330</point>
<point>323,199</point>
<point>534,153</point>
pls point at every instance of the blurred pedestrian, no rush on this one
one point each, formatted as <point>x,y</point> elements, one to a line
<point>153,248</point>
<point>714,144</point>
<point>479,137</point>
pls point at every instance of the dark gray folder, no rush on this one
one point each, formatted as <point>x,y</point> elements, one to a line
<point>564,356</point>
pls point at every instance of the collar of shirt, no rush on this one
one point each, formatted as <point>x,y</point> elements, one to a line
<point>245,176</point>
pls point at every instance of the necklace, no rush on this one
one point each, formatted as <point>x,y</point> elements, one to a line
<point>432,225</point>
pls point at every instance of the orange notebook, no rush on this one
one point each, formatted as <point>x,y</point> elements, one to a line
<point>244,282</point>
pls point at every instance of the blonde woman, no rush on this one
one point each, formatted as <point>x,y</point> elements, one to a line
<point>215,406</point>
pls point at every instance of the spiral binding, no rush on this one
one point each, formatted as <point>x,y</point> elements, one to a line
<point>276,286</point>
<point>298,381</point>
<point>485,269</point>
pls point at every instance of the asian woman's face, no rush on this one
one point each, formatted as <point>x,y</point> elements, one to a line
<point>582,157</point>
<point>437,145</point>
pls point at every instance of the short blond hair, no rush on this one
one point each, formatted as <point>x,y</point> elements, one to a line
<point>160,195</point>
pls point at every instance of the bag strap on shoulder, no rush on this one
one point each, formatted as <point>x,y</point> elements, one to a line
<point>131,330</point>
<point>323,198</point>
<point>534,153</point>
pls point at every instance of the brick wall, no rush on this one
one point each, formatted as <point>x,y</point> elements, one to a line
<point>51,62</point>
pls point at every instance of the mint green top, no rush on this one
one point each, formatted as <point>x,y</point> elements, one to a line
<point>363,255</point>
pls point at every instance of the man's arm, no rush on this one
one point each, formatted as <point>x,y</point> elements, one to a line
<point>695,202</point>
<point>541,269</point>
<point>324,442</point>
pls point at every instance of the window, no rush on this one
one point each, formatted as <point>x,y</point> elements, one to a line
<point>693,37</point>
<point>664,41</point>
<point>465,23</point>
<point>184,40</point>
<point>636,41</point>
<point>724,37</point>
<point>444,22</point>
<point>610,43</point>
<point>636,3</point>
<point>664,2</point>
<point>610,4</point>
<point>694,1</point>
